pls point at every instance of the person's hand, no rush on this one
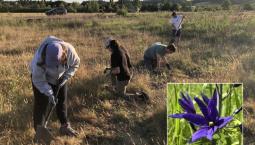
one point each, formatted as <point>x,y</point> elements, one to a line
<point>62,82</point>
<point>168,66</point>
<point>52,99</point>
<point>157,71</point>
<point>107,70</point>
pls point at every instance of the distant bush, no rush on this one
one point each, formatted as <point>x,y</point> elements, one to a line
<point>29,10</point>
<point>122,11</point>
<point>189,8</point>
<point>137,4</point>
<point>166,6</point>
<point>108,7</point>
<point>207,8</point>
<point>248,7</point>
<point>89,6</point>
<point>226,4</point>
<point>176,7</point>
<point>71,9</point>
<point>149,7</point>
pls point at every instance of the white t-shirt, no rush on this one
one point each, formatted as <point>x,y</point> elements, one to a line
<point>177,21</point>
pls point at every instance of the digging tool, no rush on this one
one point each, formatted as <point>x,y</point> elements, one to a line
<point>43,135</point>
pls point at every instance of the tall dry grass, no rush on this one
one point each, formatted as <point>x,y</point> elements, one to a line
<point>215,47</point>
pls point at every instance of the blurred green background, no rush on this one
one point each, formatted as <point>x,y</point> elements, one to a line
<point>179,131</point>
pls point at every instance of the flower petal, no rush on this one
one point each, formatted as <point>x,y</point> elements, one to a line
<point>223,121</point>
<point>212,106</point>
<point>195,119</point>
<point>205,98</point>
<point>211,131</point>
<point>186,106</point>
<point>191,104</point>
<point>203,108</point>
<point>176,115</point>
<point>202,132</point>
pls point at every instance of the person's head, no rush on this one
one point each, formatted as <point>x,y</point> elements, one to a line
<point>112,44</point>
<point>171,48</point>
<point>56,54</point>
<point>174,14</point>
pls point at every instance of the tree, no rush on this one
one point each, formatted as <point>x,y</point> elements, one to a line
<point>176,7</point>
<point>226,4</point>
<point>121,2</point>
<point>248,7</point>
<point>166,6</point>
<point>75,5</point>
<point>92,6</point>
<point>137,4</point>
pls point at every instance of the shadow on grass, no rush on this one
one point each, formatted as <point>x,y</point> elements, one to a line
<point>127,128</point>
<point>103,140</point>
<point>248,136</point>
<point>14,124</point>
<point>18,119</point>
<point>153,129</point>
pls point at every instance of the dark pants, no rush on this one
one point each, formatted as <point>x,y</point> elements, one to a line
<point>120,86</point>
<point>176,33</point>
<point>41,102</point>
<point>149,63</point>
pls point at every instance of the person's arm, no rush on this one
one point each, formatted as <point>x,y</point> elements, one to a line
<point>172,23</point>
<point>115,70</point>
<point>39,73</point>
<point>164,59</point>
<point>181,21</point>
<point>40,82</point>
<point>115,60</point>
<point>158,57</point>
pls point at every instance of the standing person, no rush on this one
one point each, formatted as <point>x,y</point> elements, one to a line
<point>54,63</point>
<point>156,53</point>
<point>120,70</point>
<point>176,22</point>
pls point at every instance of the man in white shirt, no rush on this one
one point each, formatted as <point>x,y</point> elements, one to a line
<point>176,22</point>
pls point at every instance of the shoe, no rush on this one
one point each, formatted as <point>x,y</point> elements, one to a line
<point>66,129</point>
<point>43,135</point>
<point>142,96</point>
<point>110,88</point>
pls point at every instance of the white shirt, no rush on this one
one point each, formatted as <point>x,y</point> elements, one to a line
<point>41,75</point>
<point>177,22</point>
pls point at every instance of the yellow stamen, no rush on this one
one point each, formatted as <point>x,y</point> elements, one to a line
<point>211,123</point>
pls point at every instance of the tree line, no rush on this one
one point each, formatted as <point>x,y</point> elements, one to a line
<point>111,6</point>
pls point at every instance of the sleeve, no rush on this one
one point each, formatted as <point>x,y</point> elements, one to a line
<point>73,62</point>
<point>128,61</point>
<point>40,82</point>
<point>180,19</point>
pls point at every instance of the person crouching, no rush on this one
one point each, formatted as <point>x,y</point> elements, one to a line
<point>120,70</point>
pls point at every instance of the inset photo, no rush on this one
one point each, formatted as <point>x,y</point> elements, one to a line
<point>207,114</point>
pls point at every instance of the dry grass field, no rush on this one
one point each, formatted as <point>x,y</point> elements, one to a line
<point>215,47</point>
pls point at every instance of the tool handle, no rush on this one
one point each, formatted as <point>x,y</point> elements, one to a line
<point>50,108</point>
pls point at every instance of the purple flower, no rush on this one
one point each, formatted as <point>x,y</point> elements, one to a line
<point>209,122</point>
<point>187,105</point>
